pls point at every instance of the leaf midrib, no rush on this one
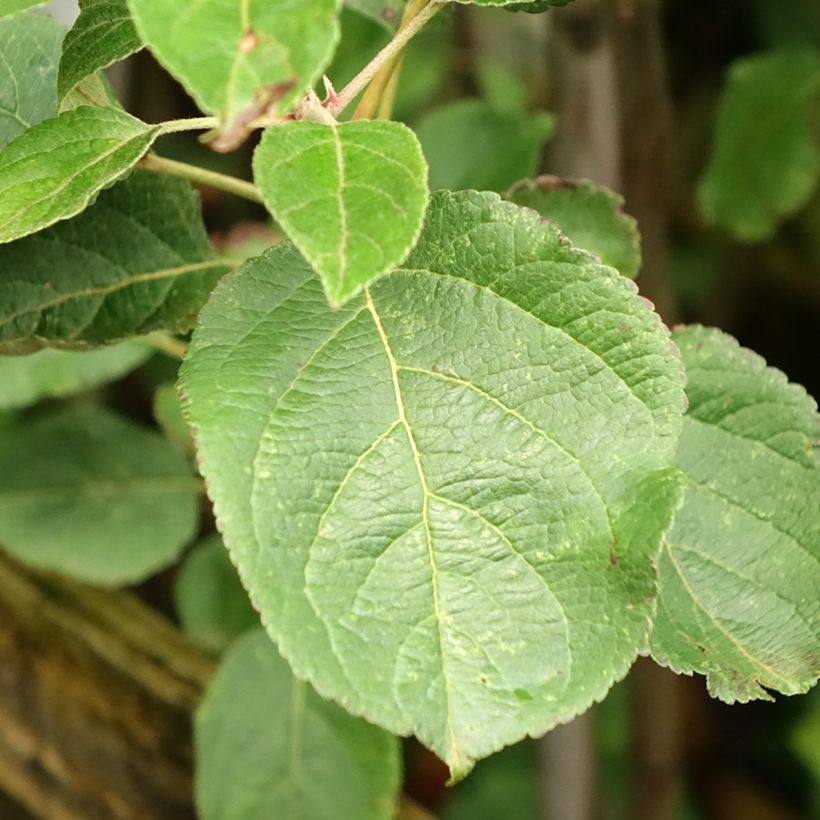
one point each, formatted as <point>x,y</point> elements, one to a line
<point>454,760</point>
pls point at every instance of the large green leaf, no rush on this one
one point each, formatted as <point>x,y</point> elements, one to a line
<point>88,494</point>
<point>25,380</point>
<point>445,497</point>
<point>268,746</point>
<point>30,48</point>
<point>213,607</point>
<point>472,144</point>
<point>766,160</point>
<point>241,58</point>
<point>589,215</point>
<point>104,33</point>
<point>53,170</point>
<point>740,570</point>
<point>350,196</point>
<point>138,260</point>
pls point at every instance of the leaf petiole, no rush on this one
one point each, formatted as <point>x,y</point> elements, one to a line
<point>188,124</point>
<point>213,179</point>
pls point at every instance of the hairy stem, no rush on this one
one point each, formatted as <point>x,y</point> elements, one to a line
<point>417,14</point>
<point>190,124</point>
<point>239,187</point>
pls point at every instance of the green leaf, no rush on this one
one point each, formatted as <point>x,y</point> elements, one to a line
<point>351,196</point>
<point>213,607</point>
<point>55,169</point>
<point>25,380</point>
<point>386,12</point>
<point>765,162</point>
<point>268,746</point>
<point>85,493</point>
<point>103,34</point>
<point>445,496</point>
<point>138,260</point>
<point>168,413</point>
<point>241,59</point>
<point>589,215</point>
<point>471,144</point>
<point>30,45</point>
<point>9,7</point>
<point>740,570</point>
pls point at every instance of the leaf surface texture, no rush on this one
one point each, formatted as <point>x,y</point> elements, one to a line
<point>138,260</point>
<point>444,496</point>
<point>740,570</point>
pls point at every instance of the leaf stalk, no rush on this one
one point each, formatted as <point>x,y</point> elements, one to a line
<point>213,179</point>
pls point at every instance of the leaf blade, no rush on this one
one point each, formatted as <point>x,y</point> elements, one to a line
<point>103,34</point>
<point>54,170</point>
<point>151,268</point>
<point>30,45</point>
<point>307,741</point>
<point>319,456</point>
<point>589,215</point>
<point>279,51</point>
<point>739,569</point>
<point>765,161</point>
<point>25,380</point>
<point>351,196</point>
<point>87,494</point>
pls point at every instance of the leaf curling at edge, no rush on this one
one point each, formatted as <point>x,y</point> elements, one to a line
<point>376,391</point>
<point>250,72</point>
<point>740,568</point>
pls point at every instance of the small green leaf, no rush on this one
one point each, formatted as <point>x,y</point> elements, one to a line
<point>168,413</point>
<point>25,380</point>
<point>589,215</point>
<point>9,7</point>
<point>740,570</point>
<point>213,607</point>
<point>386,12</point>
<point>30,45</point>
<point>138,260</point>
<point>766,160</point>
<point>445,496</point>
<point>350,196</point>
<point>85,493</point>
<point>104,33</point>
<point>241,59</point>
<point>268,746</point>
<point>471,144</point>
<point>55,169</point>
